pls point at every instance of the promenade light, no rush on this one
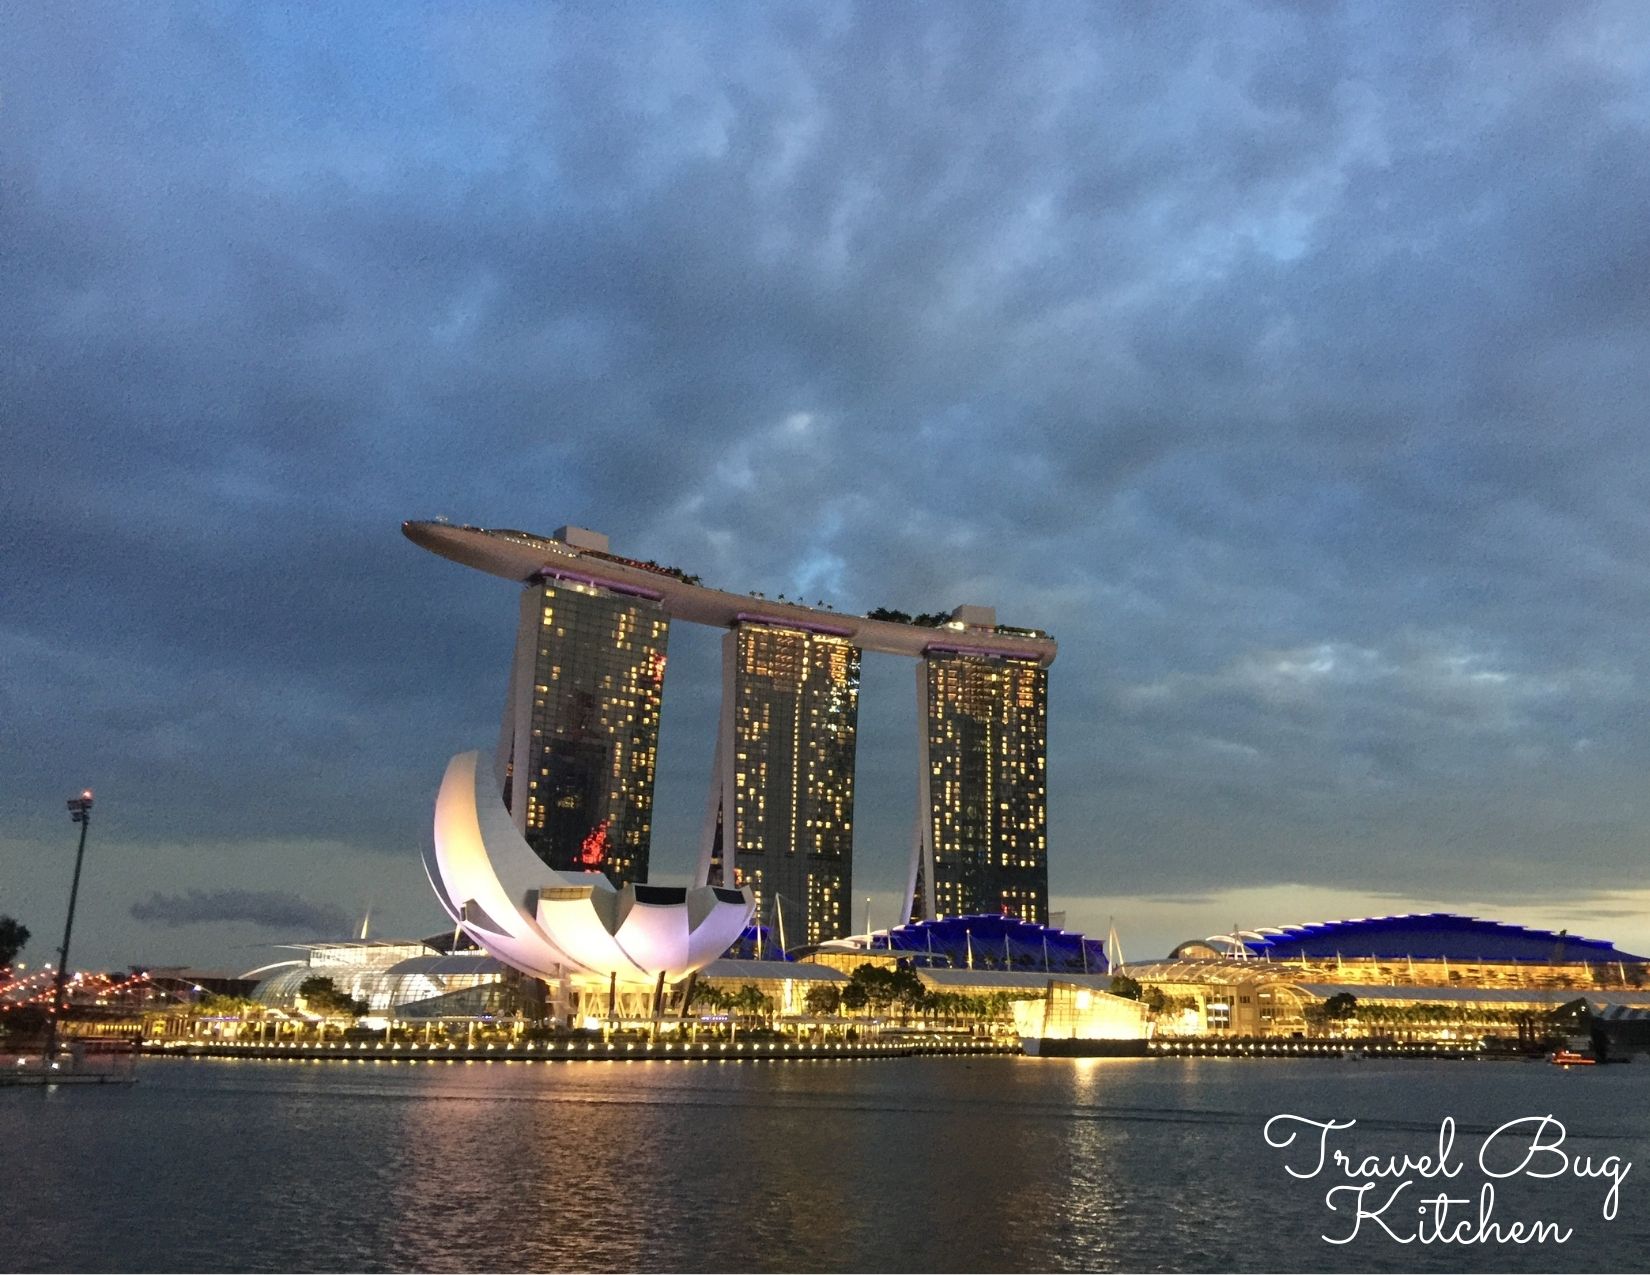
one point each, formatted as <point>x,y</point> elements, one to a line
<point>80,812</point>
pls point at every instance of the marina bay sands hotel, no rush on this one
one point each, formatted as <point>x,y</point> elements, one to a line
<point>578,745</point>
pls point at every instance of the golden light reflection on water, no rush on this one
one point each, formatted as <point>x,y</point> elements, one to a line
<point>914,1164</point>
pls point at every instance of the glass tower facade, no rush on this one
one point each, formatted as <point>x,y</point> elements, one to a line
<point>985,806</point>
<point>788,776</point>
<point>585,697</point>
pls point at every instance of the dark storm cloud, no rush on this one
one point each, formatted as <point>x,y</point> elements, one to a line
<point>269,910</point>
<point>1287,363</point>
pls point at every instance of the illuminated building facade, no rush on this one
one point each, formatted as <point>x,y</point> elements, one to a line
<point>581,729</point>
<point>982,837</point>
<point>782,791</point>
<point>1427,976</point>
<point>598,948</point>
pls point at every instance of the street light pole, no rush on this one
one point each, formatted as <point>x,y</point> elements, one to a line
<point>80,811</point>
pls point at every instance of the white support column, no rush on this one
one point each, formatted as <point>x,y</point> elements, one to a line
<point>723,776</point>
<point>713,804</point>
<point>563,998</point>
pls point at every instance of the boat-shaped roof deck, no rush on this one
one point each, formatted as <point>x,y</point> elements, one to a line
<point>523,556</point>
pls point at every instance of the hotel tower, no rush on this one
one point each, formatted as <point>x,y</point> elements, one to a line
<point>580,737</point>
<point>782,784</point>
<point>982,823</point>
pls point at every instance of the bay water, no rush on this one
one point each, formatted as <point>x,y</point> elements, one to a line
<point>966,1164</point>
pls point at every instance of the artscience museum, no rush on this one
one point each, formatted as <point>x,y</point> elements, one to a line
<point>603,951</point>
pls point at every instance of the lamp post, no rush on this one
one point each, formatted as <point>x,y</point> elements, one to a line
<point>80,811</point>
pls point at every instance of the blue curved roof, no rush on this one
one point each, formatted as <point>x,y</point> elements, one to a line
<point>992,942</point>
<point>1429,936</point>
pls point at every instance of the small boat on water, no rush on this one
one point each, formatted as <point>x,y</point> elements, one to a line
<point>1572,1058</point>
<point>1076,1047</point>
<point>93,1062</point>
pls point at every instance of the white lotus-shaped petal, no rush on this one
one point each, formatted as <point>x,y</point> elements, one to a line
<point>548,923</point>
<point>715,922</point>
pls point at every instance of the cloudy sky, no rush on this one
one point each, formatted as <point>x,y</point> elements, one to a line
<point>1288,362</point>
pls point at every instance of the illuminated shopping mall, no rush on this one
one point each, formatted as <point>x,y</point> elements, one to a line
<point>1422,972</point>
<point>1426,976</point>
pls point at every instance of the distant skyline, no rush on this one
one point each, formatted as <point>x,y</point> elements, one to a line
<point>1287,364</point>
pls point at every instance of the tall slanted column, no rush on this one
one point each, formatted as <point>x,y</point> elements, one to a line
<point>579,745</point>
<point>982,823</point>
<point>781,805</point>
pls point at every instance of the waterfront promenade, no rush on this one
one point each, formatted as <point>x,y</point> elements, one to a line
<point>574,1050</point>
<point>779,1050</point>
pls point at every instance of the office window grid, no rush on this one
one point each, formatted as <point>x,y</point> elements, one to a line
<point>987,747</point>
<point>796,702</point>
<point>593,703</point>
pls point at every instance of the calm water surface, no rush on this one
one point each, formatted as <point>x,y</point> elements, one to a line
<point>908,1164</point>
